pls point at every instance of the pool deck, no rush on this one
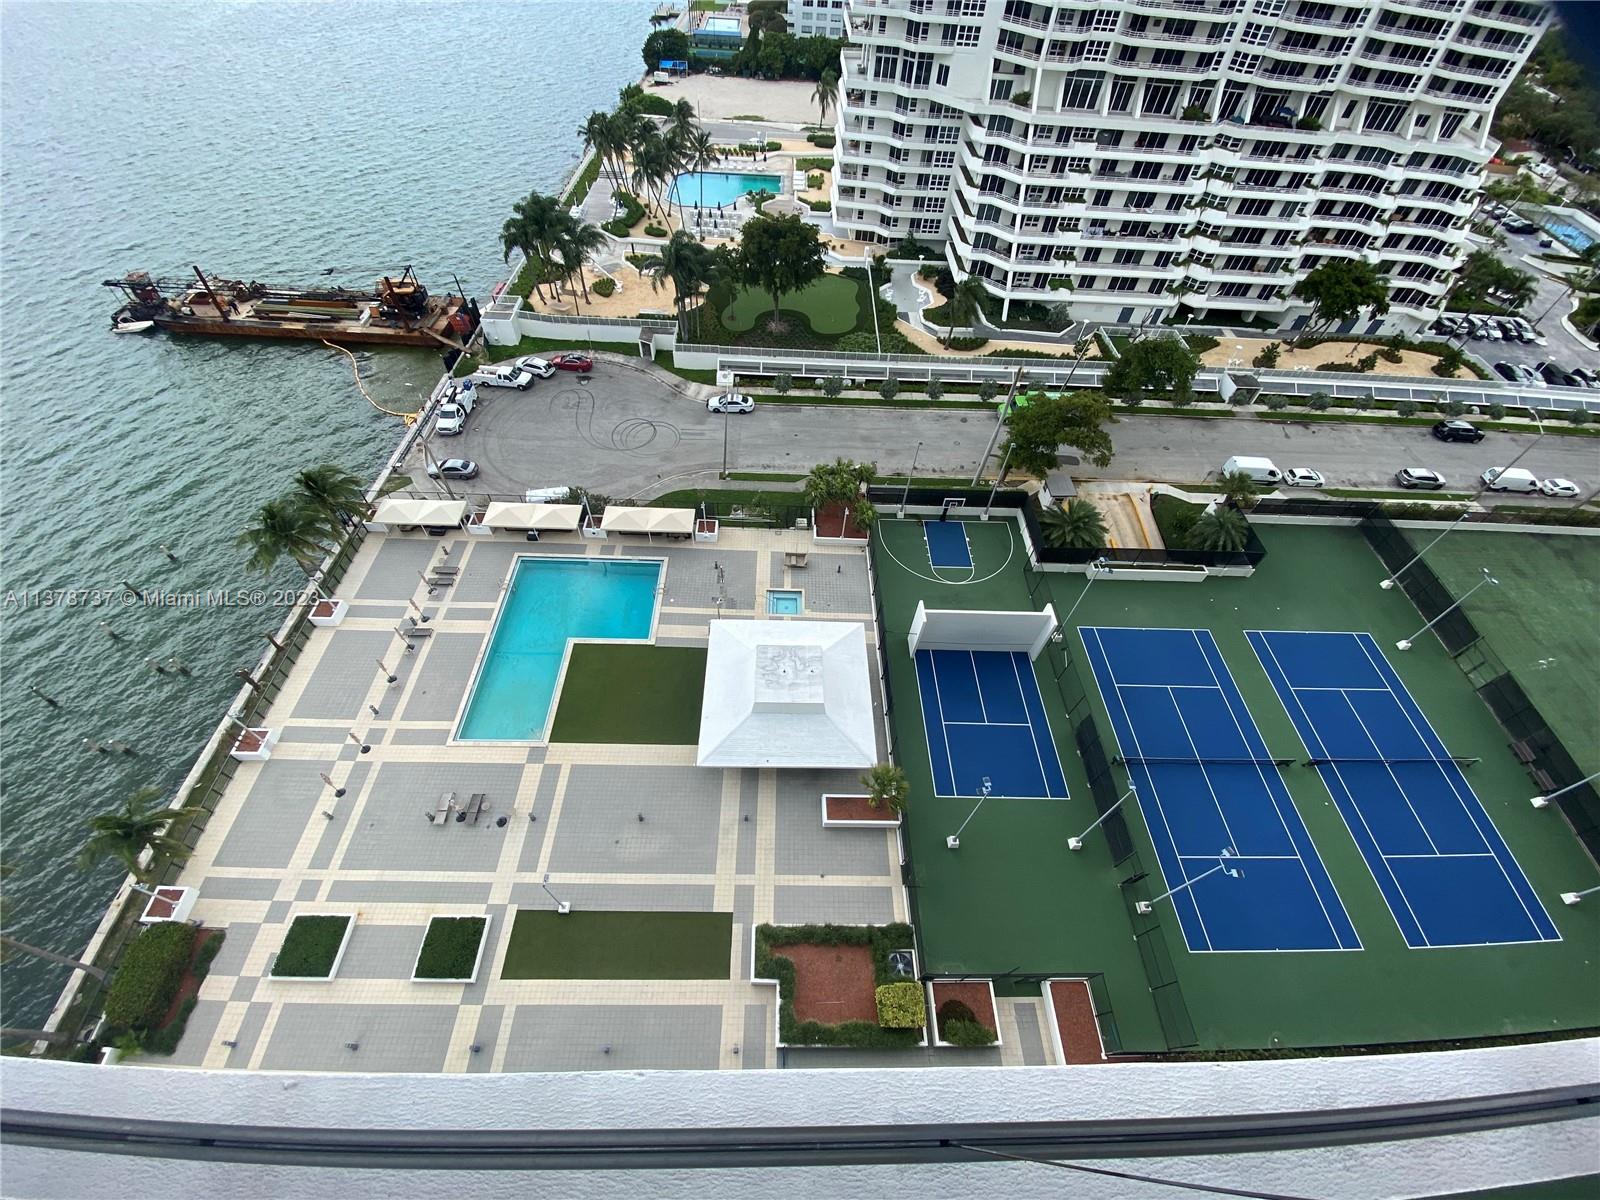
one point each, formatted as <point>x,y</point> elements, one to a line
<point>747,842</point>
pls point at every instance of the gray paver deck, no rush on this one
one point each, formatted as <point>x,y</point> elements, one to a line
<point>394,574</point>
<point>221,887</point>
<point>198,1035</point>
<point>757,1046</point>
<point>388,1037</point>
<point>274,815</point>
<point>796,904</point>
<point>346,671</point>
<point>381,951</point>
<point>600,828</point>
<point>407,891</point>
<point>248,1033</point>
<point>620,897</point>
<point>615,1037</point>
<point>442,678</point>
<point>692,577</point>
<point>394,835</point>
<point>804,847</point>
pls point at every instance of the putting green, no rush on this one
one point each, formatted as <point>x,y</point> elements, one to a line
<point>831,306</point>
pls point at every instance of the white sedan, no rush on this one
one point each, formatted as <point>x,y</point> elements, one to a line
<point>1303,477</point>
<point>1559,487</point>
<point>730,402</point>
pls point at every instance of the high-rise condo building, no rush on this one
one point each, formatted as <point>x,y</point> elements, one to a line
<point>1150,159</point>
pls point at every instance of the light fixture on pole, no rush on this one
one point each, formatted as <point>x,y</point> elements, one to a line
<point>1417,557</point>
<point>1004,463</point>
<point>1570,898</point>
<point>953,842</point>
<point>1405,643</point>
<point>1076,843</point>
<point>1145,906</point>
<point>563,907</point>
<point>1100,566</point>
<point>905,493</point>
<point>1544,801</point>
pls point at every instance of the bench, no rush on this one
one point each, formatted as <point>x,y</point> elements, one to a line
<point>441,812</point>
<point>795,558</point>
<point>476,806</point>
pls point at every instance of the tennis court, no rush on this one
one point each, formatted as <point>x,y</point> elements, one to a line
<point>984,719</point>
<point>1225,829</point>
<point>1446,874</point>
<point>947,544</point>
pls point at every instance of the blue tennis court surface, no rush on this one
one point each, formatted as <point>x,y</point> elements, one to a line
<point>984,719</point>
<point>1444,870</point>
<point>1203,788</point>
<point>947,544</point>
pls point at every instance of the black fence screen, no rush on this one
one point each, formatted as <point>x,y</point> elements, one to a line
<point>1103,788</point>
<point>1417,579</point>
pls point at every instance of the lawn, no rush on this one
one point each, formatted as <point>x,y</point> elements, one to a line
<point>640,695</point>
<point>310,947</point>
<point>619,945</point>
<point>830,306</point>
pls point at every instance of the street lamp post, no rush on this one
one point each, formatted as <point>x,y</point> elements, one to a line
<point>999,424</point>
<point>953,842</point>
<point>1076,843</point>
<point>1004,463</point>
<point>1417,557</point>
<point>1405,643</point>
<point>1146,906</point>
<point>1544,801</point>
<point>906,491</point>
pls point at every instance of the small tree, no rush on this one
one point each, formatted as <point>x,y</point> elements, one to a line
<point>1237,488</point>
<point>1579,416</point>
<point>1406,408</point>
<point>1362,403</point>
<point>782,382</point>
<point>1339,290</point>
<point>935,389</point>
<point>1453,407</point>
<point>1451,360</point>
<point>1268,356</point>
<point>1036,430</point>
<point>1221,529</point>
<point>670,44</point>
<point>988,390</point>
<point>889,388</point>
<point>778,255</point>
<point>1319,402</point>
<point>1077,525</point>
<point>1274,402</point>
<point>1151,366</point>
<point>887,786</point>
<point>1497,412</point>
<point>833,386</point>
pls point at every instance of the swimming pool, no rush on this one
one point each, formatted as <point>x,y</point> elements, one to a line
<point>785,602</point>
<point>720,25</point>
<point>711,188</point>
<point>551,601</point>
<point>1569,235</point>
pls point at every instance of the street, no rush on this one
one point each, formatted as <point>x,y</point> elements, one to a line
<point>1550,302</point>
<point>628,432</point>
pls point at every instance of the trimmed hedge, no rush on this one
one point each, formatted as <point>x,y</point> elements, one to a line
<point>450,950</point>
<point>900,1005</point>
<point>310,946</point>
<point>880,938</point>
<point>152,968</point>
<point>579,191</point>
<point>632,214</point>
<point>603,287</point>
<point>967,1033</point>
<point>826,141</point>
<point>654,231</point>
<point>967,343</point>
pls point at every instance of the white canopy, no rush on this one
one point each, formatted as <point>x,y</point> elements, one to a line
<point>502,514</point>
<point>787,694</point>
<point>648,520</point>
<point>400,510</point>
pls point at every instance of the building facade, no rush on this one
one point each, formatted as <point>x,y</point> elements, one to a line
<point>817,18</point>
<point>1145,160</point>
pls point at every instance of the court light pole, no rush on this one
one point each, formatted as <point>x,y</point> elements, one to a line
<point>1100,566</point>
<point>905,493</point>
<point>1417,557</point>
<point>1570,898</point>
<point>1405,643</point>
<point>1004,463</point>
<point>1076,843</point>
<point>999,424</point>
<point>1146,906</point>
<point>953,842</point>
<point>563,907</point>
<point>1544,801</point>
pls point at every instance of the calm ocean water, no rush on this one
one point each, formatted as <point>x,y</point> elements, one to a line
<point>266,140</point>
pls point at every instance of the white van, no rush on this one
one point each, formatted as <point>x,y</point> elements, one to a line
<point>1510,479</point>
<point>1260,470</point>
<point>549,495</point>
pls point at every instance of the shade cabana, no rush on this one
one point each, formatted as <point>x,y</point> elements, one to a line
<point>403,510</point>
<point>546,518</point>
<point>669,522</point>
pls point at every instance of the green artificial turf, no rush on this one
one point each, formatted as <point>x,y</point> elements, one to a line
<point>450,949</point>
<point>631,693</point>
<point>829,305</point>
<point>619,945</point>
<point>310,947</point>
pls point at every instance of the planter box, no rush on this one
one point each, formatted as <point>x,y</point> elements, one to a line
<point>333,969</point>
<point>477,962</point>
<point>910,957</point>
<point>933,1011</point>
<point>475,525</point>
<point>169,904</point>
<point>852,812</point>
<point>254,745</point>
<point>591,527</point>
<point>329,612</point>
<point>705,531</point>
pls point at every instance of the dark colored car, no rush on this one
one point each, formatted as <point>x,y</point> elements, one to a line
<point>1506,371</point>
<point>572,361</point>
<point>1558,376</point>
<point>1457,431</point>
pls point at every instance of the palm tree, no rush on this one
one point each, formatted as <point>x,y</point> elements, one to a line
<point>7,943</point>
<point>1222,529</point>
<point>577,242</point>
<point>1075,526</point>
<point>886,784</point>
<point>607,135</point>
<point>1237,488</point>
<point>334,494</point>
<point>964,304</point>
<point>683,121</point>
<point>683,262</point>
<point>283,527</point>
<point>141,824</point>
<point>826,94</point>
<point>700,152</point>
<point>653,160</point>
<point>536,220</point>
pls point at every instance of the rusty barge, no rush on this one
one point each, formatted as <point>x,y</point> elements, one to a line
<point>397,312</point>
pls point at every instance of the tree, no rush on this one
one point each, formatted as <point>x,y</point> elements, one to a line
<point>887,786</point>
<point>1484,273</point>
<point>1077,525</point>
<point>1040,425</point>
<point>669,44</point>
<point>532,228</point>
<point>700,152</point>
<point>284,527</point>
<point>966,301</point>
<point>1339,290</point>
<point>141,824</point>
<point>826,94</point>
<point>1221,529</point>
<point>1237,488</point>
<point>778,255</point>
<point>654,160</point>
<point>838,482</point>
<point>1152,365</point>
<point>574,244</point>
<point>682,261</point>
<point>333,494</point>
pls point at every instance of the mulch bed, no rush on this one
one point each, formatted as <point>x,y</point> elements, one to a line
<point>856,808</point>
<point>835,521</point>
<point>832,984</point>
<point>974,995</point>
<point>250,741</point>
<point>1080,1038</point>
<point>190,983</point>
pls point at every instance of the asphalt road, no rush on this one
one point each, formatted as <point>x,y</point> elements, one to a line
<point>626,433</point>
<point>1550,301</point>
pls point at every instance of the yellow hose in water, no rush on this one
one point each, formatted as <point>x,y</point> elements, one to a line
<point>409,418</point>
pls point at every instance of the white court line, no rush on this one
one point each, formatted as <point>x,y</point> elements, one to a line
<point>993,724</point>
<point>1340,689</point>
<point>1474,854</point>
<point>949,762</point>
<point>1261,643</point>
<point>1173,687</point>
<point>1216,801</point>
<point>1011,549</point>
<point>977,686</point>
<point>1388,770</point>
<point>1038,753</point>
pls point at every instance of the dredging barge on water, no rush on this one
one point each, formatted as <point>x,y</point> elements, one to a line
<point>397,312</point>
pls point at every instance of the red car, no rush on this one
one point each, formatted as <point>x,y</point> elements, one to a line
<point>572,361</point>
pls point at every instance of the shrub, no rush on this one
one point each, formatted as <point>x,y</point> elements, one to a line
<point>968,343</point>
<point>888,389</point>
<point>1406,408</point>
<point>1390,354</point>
<point>819,205</point>
<point>638,260</point>
<point>1340,366</point>
<point>310,946</point>
<point>603,287</point>
<point>1362,403</point>
<point>1497,412</point>
<point>1133,399</point>
<point>1453,408</point>
<point>451,948</point>
<point>152,967</point>
<point>1578,416</point>
<point>1193,112</point>
<point>935,389</point>
<point>651,104</point>
<point>966,1033</point>
<point>1268,356</point>
<point>1059,283</point>
<point>1319,402</point>
<point>1274,403</point>
<point>1183,397</point>
<point>782,382</point>
<point>862,341</point>
<point>900,1005</point>
<point>832,386</point>
<point>825,140</point>
<point>956,1010</point>
<point>1200,343</point>
<point>654,231</point>
<point>632,211</point>
<point>814,179</point>
<point>1367,362</point>
<point>1022,97</point>
<point>988,390</point>
<point>1310,123</point>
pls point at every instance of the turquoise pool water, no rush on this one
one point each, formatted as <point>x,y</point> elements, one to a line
<point>549,602</point>
<point>711,188</point>
<point>783,603</point>
<point>1573,237</point>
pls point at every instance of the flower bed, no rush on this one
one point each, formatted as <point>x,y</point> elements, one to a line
<point>313,947</point>
<point>452,950</point>
<point>964,1012</point>
<point>828,979</point>
<point>1073,1029</point>
<point>858,812</point>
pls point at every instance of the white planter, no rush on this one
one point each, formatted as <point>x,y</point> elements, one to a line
<point>329,612</point>
<point>169,904</point>
<point>254,745</point>
<point>476,526</point>
<point>933,1014</point>
<point>333,970</point>
<point>892,822</point>
<point>705,531</point>
<point>477,962</point>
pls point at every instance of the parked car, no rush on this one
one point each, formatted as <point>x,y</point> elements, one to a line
<point>1303,477</point>
<point>1506,371</point>
<point>1559,487</point>
<point>535,365</point>
<point>572,360</point>
<point>1557,376</point>
<point>1457,431</point>
<point>1529,333</point>
<point>730,402</point>
<point>452,419</point>
<point>1529,376</point>
<point>506,375</point>
<point>1510,479</point>
<point>1586,377</point>
<point>1419,478</point>
<point>453,468</point>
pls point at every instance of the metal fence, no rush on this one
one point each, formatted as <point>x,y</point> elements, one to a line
<point>1420,584</point>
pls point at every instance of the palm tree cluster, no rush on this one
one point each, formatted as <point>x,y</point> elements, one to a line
<point>689,265</point>
<point>553,240</point>
<point>640,154</point>
<point>306,523</point>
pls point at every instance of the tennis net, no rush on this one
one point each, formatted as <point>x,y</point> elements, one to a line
<point>1203,762</point>
<point>1460,760</point>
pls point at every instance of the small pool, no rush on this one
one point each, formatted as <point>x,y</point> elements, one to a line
<point>711,188</point>
<point>550,602</point>
<point>1570,235</point>
<point>785,602</point>
<point>720,25</point>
